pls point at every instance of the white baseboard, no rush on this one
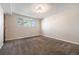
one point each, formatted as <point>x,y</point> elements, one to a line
<point>51,37</point>
<point>63,40</point>
<point>20,37</point>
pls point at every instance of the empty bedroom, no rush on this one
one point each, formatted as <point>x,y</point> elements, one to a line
<point>39,28</point>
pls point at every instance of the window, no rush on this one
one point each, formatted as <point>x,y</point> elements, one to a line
<point>26,22</point>
<point>33,23</point>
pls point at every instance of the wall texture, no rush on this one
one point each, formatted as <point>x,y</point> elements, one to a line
<point>15,31</point>
<point>63,25</point>
<point>1,27</point>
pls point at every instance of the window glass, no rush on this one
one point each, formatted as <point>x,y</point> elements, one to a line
<point>27,22</point>
<point>33,22</point>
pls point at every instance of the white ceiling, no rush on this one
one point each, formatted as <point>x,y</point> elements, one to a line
<point>29,9</point>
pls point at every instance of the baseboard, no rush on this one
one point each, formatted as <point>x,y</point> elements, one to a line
<point>46,36</point>
<point>21,38</point>
<point>63,40</point>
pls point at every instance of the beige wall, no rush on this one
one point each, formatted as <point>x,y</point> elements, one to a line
<point>1,27</point>
<point>63,25</point>
<point>15,31</point>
